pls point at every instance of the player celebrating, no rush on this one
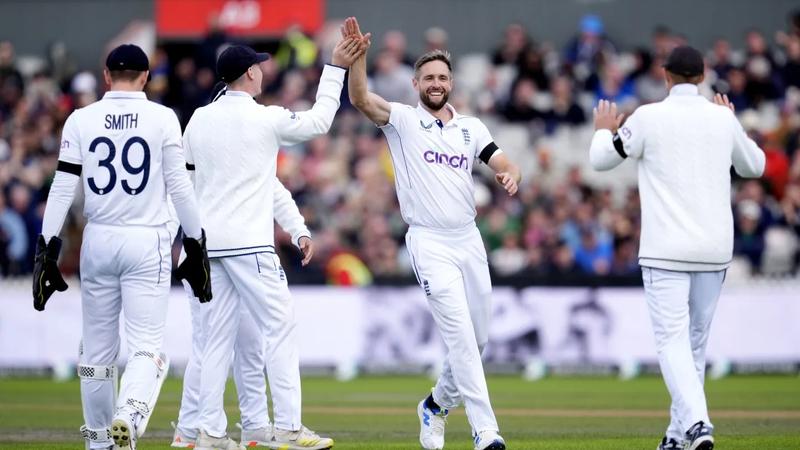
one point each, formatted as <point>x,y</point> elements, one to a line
<point>250,358</point>
<point>684,147</point>
<point>433,148</point>
<point>127,150</point>
<point>232,145</point>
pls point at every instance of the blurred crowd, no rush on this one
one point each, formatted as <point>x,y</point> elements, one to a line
<point>536,100</point>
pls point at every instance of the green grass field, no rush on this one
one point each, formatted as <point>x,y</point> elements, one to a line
<point>753,412</point>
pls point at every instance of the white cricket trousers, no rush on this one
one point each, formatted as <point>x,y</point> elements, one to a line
<point>250,358</point>
<point>681,308</point>
<point>452,268</point>
<point>122,268</point>
<point>256,285</point>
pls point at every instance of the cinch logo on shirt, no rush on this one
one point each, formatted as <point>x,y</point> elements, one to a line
<point>455,161</point>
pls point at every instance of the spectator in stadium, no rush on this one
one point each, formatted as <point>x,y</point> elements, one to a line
<point>737,89</point>
<point>509,258</point>
<point>13,240</point>
<point>614,86</point>
<point>394,41</point>
<point>651,86</point>
<point>721,58</point>
<point>586,49</point>
<point>12,85</point>
<point>390,78</point>
<point>565,110</point>
<point>520,108</point>
<point>531,66</point>
<point>748,234</point>
<point>515,41</point>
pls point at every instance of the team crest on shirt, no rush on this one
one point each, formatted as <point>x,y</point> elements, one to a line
<point>424,127</point>
<point>465,133</point>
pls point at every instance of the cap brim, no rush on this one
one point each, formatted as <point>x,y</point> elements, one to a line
<point>261,57</point>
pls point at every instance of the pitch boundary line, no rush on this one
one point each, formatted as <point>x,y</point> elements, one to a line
<point>559,412</point>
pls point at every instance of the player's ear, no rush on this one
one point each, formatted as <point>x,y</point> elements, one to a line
<point>107,77</point>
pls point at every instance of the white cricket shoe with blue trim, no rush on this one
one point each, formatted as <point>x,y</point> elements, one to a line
<point>431,426</point>
<point>489,440</point>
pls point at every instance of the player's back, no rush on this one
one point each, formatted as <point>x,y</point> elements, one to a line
<point>121,139</point>
<point>684,179</point>
<point>233,145</point>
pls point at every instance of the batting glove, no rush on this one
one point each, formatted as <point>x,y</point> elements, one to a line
<point>195,269</point>
<point>46,276</point>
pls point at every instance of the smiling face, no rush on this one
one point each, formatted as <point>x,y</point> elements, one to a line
<point>433,80</point>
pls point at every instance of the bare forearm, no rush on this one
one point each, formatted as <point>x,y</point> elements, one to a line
<point>357,83</point>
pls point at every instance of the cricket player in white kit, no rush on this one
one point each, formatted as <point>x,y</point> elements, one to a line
<point>433,149</point>
<point>127,152</point>
<point>250,358</point>
<point>684,147</point>
<point>232,146</point>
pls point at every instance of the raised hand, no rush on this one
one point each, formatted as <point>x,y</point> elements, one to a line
<point>722,100</point>
<point>347,51</point>
<point>350,28</point>
<point>606,117</point>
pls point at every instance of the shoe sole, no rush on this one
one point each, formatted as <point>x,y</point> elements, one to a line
<point>704,443</point>
<point>277,446</point>
<point>121,433</point>
<point>177,444</point>
<point>496,446</point>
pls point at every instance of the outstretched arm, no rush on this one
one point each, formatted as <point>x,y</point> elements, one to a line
<point>371,105</point>
<point>295,127</point>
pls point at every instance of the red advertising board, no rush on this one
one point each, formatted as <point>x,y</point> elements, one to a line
<point>190,18</point>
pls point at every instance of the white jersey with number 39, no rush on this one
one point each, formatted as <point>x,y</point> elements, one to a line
<point>124,145</point>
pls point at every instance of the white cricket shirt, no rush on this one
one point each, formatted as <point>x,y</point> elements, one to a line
<point>232,146</point>
<point>128,152</point>
<point>684,147</point>
<point>433,165</point>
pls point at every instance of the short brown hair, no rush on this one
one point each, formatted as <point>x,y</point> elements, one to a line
<point>433,55</point>
<point>124,75</point>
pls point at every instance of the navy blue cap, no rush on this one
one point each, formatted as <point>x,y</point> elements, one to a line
<point>127,57</point>
<point>235,61</point>
<point>686,61</point>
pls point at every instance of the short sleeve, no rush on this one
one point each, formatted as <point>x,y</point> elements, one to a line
<point>632,133</point>
<point>70,151</point>
<point>485,146</point>
<point>398,115</point>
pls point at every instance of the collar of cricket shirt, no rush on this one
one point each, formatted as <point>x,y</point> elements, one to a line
<point>429,118</point>
<point>230,93</point>
<point>125,94</point>
<point>684,89</point>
